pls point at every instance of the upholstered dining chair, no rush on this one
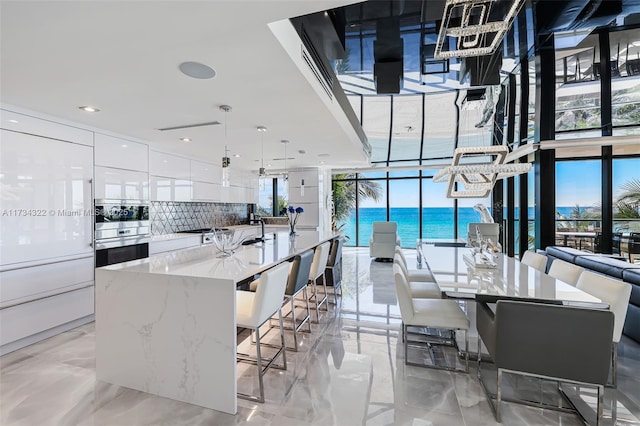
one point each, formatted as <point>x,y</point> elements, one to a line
<point>616,293</point>
<point>430,313</point>
<point>418,289</point>
<point>253,310</point>
<point>535,260</point>
<point>548,341</point>
<point>421,275</point>
<point>383,241</point>
<point>318,266</point>
<point>565,271</point>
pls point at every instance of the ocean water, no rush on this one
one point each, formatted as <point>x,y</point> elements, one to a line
<point>437,222</point>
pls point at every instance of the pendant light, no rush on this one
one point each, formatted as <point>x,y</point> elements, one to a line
<point>262,173</point>
<point>286,172</point>
<point>226,162</point>
<point>302,152</point>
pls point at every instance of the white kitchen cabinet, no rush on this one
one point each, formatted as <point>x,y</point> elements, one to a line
<point>168,165</point>
<point>310,201</point>
<point>204,191</point>
<point>206,172</point>
<point>310,177</point>
<point>120,184</point>
<point>121,153</point>
<point>25,320</point>
<point>310,194</point>
<point>36,126</point>
<point>311,216</point>
<point>27,284</point>
<point>170,189</point>
<point>46,198</point>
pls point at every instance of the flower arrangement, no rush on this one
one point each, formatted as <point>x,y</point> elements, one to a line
<point>292,214</point>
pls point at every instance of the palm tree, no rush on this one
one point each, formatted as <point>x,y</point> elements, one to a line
<point>628,204</point>
<point>344,194</point>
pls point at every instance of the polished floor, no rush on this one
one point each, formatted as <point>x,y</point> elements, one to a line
<point>350,371</point>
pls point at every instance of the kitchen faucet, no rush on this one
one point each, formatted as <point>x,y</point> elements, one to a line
<point>258,219</point>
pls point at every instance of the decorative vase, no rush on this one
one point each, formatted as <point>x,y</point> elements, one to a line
<point>292,232</point>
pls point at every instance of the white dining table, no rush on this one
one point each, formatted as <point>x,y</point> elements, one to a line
<point>459,276</point>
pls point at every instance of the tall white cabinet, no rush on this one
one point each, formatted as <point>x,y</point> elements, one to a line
<point>310,201</point>
<point>121,169</point>
<point>46,227</point>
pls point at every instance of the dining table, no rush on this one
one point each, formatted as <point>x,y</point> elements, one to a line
<point>463,275</point>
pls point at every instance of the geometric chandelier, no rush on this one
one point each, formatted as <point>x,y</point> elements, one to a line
<point>468,22</point>
<point>476,179</point>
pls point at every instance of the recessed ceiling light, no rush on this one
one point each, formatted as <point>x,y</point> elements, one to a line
<point>268,165</point>
<point>236,155</point>
<point>13,121</point>
<point>88,108</point>
<point>197,70</point>
<point>185,139</point>
<point>124,146</point>
<point>320,162</point>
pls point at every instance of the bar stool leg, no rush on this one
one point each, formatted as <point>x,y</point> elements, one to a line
<point>259,364</point>
<point>293,319</point>
<point>284,349</point>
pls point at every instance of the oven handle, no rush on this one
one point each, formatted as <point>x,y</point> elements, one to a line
<point>121,242</point>
<point>101,201</point>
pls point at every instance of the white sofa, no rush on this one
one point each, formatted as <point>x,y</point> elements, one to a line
<point>383,241</point>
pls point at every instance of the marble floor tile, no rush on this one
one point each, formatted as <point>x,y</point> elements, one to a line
<point>348,371</point>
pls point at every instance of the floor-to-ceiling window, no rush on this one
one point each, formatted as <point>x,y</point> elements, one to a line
<point>578,203</point>
<point>438,219</point>
<point>626,195</point>
<point>370,208</point>
<point>404,205</point>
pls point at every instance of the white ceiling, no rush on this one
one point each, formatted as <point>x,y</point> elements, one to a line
<point>123,58</point>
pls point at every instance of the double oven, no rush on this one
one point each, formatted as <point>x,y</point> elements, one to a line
<point>122,231</point>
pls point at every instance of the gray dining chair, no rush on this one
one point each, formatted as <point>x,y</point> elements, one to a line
<point>547,341</point>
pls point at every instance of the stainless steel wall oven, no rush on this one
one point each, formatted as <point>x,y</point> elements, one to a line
<point>122,231</point>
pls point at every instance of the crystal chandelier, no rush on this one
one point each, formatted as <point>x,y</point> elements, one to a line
<point>473,39</point>
<point>476,180</point>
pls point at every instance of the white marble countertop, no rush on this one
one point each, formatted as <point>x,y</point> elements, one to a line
<point>203,261</point>
<point>173,236</point>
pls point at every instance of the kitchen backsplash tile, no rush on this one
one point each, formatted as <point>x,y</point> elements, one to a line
<point>168,216</point>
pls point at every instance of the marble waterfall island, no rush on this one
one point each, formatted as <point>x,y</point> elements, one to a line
<point>166,325</point>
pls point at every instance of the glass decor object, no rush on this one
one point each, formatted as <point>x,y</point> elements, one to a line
<point>227,242</point>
